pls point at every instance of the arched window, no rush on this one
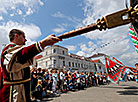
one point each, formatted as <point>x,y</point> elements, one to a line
<point>63,63</point>
<point>54,50</point>
<point>81,65</point>
<point>69,64</point>
<point>72,64</point>
<point>63,52</point>
<point>54,62</point>
<point>76,64</point>
<point>46,63</point>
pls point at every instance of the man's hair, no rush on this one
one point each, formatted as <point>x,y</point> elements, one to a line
<point>136,64</point>
<point>13,32</point>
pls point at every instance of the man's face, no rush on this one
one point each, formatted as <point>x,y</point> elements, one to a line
<point>21,39</point>
<point>137,67</point>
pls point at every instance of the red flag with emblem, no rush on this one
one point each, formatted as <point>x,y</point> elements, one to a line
<point>114,69</point>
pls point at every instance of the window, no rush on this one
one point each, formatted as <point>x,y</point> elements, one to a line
<point>86,66</point>
<point>46,63</point>
<point>69,64</point>
<point>72,64</point>
<point>63,52</point>
<point>54,50</point>
<point>81,65</point>
<point>76,64</point>
<point>54,62</point>
<point>63,63</point>
<point>46,53</point>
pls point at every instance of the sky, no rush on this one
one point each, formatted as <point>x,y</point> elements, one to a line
<point>39,18</point>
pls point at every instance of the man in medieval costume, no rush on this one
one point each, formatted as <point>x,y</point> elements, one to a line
<point>15,62</point>
<point>136,72</point>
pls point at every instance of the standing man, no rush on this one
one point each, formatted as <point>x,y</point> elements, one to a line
<point>136,72</point>
<point>15,62</point>
<point>61,74</point>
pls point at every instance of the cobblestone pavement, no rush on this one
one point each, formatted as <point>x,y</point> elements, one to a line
<point>124,92</point>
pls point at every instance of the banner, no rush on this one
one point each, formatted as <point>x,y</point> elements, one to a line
<point>114,69</point>
<point>126,72</point>
<point>134,37</point>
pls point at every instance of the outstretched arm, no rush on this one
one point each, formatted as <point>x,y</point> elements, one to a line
<point>30,51</point>
<point>49,40</point>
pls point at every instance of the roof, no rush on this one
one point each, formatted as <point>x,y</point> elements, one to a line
<point>57,46</point>
<point>96,55</point>
<point>60,46</point>
<point>77,56</point>
<point>96,61</point>
<point>38,56</point>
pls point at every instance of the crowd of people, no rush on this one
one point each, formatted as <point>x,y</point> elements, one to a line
<point>15,61</point>
<point>54,82</point>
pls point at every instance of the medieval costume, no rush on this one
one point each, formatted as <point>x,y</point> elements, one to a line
<point>136,75</point>
<point>15,62</point>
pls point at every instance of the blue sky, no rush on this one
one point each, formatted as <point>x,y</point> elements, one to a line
<point>39,18</point>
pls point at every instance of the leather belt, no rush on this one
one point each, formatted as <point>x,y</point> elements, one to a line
<point>16,82</point>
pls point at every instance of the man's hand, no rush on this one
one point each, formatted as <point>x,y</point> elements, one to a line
<point>49,40</point>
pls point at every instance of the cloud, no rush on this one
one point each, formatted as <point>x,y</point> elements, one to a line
<point>1,18</point>
<point>11,14</point>
<point>19,12</point>
<point>81,53</point>
<point>71,19</point>
<point>74,22</point>
<point>95,9</point>
<point>128,57</point>
<point>29,11</point>
<point>31,31</point>
<point>59,30</point>
<point>119,43</point>
<point>28,6</point>
<point>59,15</point>
<point>10,8</point>
<point>71,47</point>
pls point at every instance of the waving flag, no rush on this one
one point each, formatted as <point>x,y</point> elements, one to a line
<point>120,63</point>
<point>125,74</point>
<point>134,37</point>
<point>114,69</point>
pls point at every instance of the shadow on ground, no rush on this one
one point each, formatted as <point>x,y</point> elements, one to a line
<point>132,90</point>
<point>46,100</point>
<point>116,87</point>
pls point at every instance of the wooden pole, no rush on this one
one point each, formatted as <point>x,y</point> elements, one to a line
<point>78,31</point>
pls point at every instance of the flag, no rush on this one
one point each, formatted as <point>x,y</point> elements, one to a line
<point>114,69</point>
<point>120,63</point>
<point>70,69</point>
<point>134,37</point>
<point>125,74</point>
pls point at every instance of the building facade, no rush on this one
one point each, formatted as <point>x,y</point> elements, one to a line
<point>57,57</point>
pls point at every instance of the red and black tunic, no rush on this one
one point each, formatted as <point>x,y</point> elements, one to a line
<point>23,55</point>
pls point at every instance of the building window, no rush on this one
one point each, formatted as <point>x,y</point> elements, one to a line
<point>76,64</point>
<point>46,63</point>
<point>60,57</point>
<point>69,64</point>
<point>63,63</point>
<point>54,62</point>
<point>86,66</point>
<point>72,64</point>
<point>54,50</point>
<point>63,52</point>
<point>81,65</point>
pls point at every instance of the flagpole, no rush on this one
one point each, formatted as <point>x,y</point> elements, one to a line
<point>78,31</point>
